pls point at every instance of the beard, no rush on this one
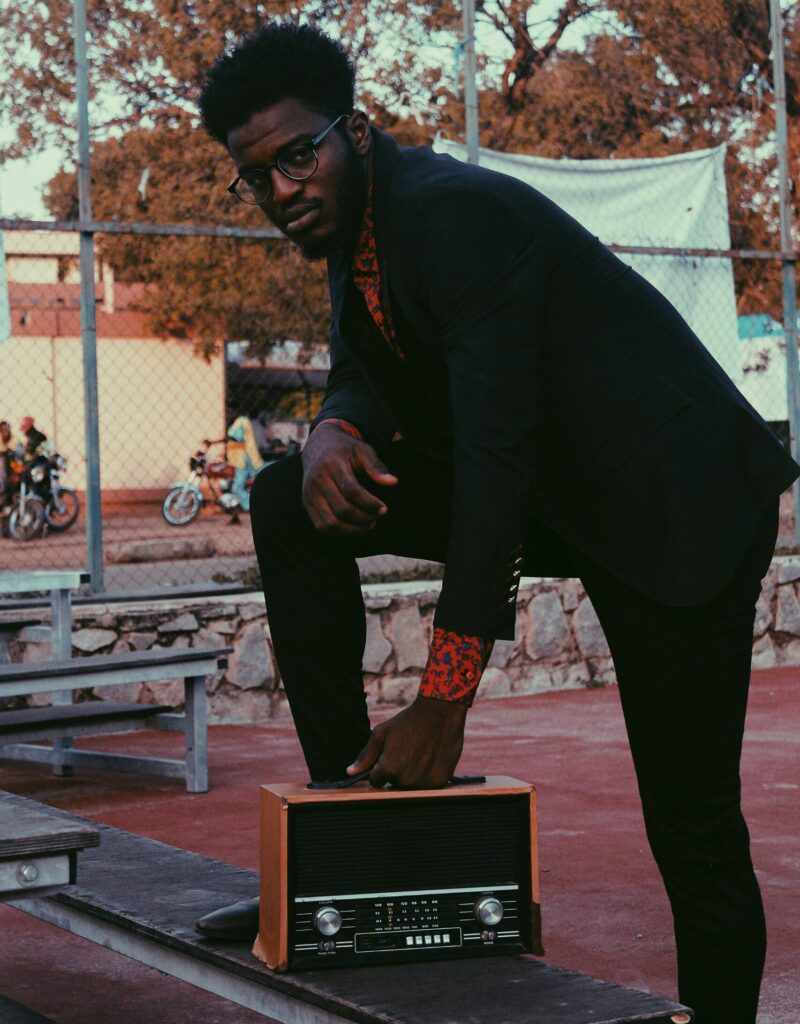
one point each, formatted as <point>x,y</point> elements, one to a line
<point>350,199</point>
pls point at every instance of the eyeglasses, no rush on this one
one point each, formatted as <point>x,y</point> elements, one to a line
<point>297,162</point>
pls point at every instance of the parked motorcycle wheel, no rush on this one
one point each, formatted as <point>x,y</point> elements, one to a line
<point>181,505</point>
<point>27,525</point>
<point>62,513</point>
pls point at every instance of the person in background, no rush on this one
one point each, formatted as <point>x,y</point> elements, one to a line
<point>244,456</point>
<point>35,440</point>
<point>8,445</point>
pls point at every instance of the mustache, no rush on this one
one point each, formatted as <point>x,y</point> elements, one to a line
<point>286,216</point>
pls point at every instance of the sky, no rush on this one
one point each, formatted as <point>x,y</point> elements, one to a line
<point>21,183</point>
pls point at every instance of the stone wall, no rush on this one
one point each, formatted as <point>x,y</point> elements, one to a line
<point>559,643</point>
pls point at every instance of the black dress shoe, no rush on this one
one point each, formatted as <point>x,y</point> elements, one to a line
<point>237,922</point>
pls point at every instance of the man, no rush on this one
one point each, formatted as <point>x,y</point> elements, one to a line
<point>8,445</point>
<point>241,452</point>
<point>34,438</point>
<point>509,398</point>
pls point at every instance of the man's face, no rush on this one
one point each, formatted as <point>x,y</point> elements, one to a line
<point>323,213</point>
<point>5,432</point>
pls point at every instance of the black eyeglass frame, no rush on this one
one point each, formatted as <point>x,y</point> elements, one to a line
<point>313,143</point>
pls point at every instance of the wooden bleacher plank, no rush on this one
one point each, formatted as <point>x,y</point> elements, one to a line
<point>91,718</point>
<point>141,898</point>
<point>93,710</point>
<point>15,625</point>
<point>33,828</point>
<point>100,663</point>
<point>147,595</point>
<point>61,677</point>
<point>13,1013</point>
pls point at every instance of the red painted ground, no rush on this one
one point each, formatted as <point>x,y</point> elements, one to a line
<point>603,908</point>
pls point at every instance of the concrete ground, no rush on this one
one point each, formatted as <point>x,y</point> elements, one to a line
<point>603,908</point>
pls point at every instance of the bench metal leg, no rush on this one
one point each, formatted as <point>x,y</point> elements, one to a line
<point>61,647</point>
<point>196,735</point>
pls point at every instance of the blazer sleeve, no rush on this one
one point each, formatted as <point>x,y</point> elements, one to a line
<point>348,397</point>
<point>483,272</point>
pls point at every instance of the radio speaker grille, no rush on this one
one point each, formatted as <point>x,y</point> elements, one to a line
<point>408,844</point>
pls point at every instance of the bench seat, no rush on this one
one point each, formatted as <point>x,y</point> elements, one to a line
<point>64,720</point>
<point>91,718</point>
<point>145,595</point>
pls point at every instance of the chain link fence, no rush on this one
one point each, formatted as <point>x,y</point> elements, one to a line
<point>171,412</point>
<point>178,407</point>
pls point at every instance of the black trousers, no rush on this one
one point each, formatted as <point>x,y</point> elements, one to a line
<point>683,677</point>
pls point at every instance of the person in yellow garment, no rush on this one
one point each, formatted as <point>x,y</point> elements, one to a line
<point>244,456</point>
<point>8,445</point>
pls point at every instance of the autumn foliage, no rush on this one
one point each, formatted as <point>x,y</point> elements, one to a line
<point>575,78</point>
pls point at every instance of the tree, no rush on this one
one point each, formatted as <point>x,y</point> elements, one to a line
<point>148,60</point>
<point>208,290</point>
<point>663,77</point>
<point>579,78</point>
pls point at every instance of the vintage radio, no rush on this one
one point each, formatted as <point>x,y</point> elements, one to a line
<point>360,876</point>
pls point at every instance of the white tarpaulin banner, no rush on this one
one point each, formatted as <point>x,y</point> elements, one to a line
<point>677,201</point>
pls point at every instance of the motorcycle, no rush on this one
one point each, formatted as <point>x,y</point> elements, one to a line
<point>61,504</point>
<point>25,517</point>
<point>185,499</point>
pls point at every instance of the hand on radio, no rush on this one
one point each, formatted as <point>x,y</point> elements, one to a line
<point>417,749</point>
<point>336,466</point>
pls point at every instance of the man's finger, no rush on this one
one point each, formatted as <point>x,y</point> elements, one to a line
<point>375,469</point>
<point>325,519</point>
<point>356,494</point>
<point>379,777</point>
<point>368,756</point>
<point>351,503</point>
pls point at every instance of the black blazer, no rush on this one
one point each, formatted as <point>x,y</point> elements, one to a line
<point>556,383</point>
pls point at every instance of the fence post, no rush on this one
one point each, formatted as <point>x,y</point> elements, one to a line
<point>5,300</point>
<point>94,521</point>
<point>787,266</point>
<point>470,83</point>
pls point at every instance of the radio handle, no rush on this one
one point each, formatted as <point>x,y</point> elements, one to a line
<point>456,780</point>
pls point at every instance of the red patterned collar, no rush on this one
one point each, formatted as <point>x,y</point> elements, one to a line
<point>367,277</point>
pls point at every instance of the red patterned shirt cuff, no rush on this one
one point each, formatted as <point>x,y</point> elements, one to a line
<point>344,425</point>
<point>455,665</point>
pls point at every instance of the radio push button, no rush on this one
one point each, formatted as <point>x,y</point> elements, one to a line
<point>327,921</point>
<point>489,910</point>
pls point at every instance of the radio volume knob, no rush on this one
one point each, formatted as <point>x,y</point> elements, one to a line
<point>327,921</point>
<point>489,910</point>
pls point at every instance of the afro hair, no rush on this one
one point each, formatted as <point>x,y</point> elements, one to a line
<point>280,60</point>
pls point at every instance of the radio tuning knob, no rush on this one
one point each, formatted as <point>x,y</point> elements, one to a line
<point>327,921</point>
<point>489,910</point>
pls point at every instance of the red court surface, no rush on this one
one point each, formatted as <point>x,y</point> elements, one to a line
<point>604,911</point>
